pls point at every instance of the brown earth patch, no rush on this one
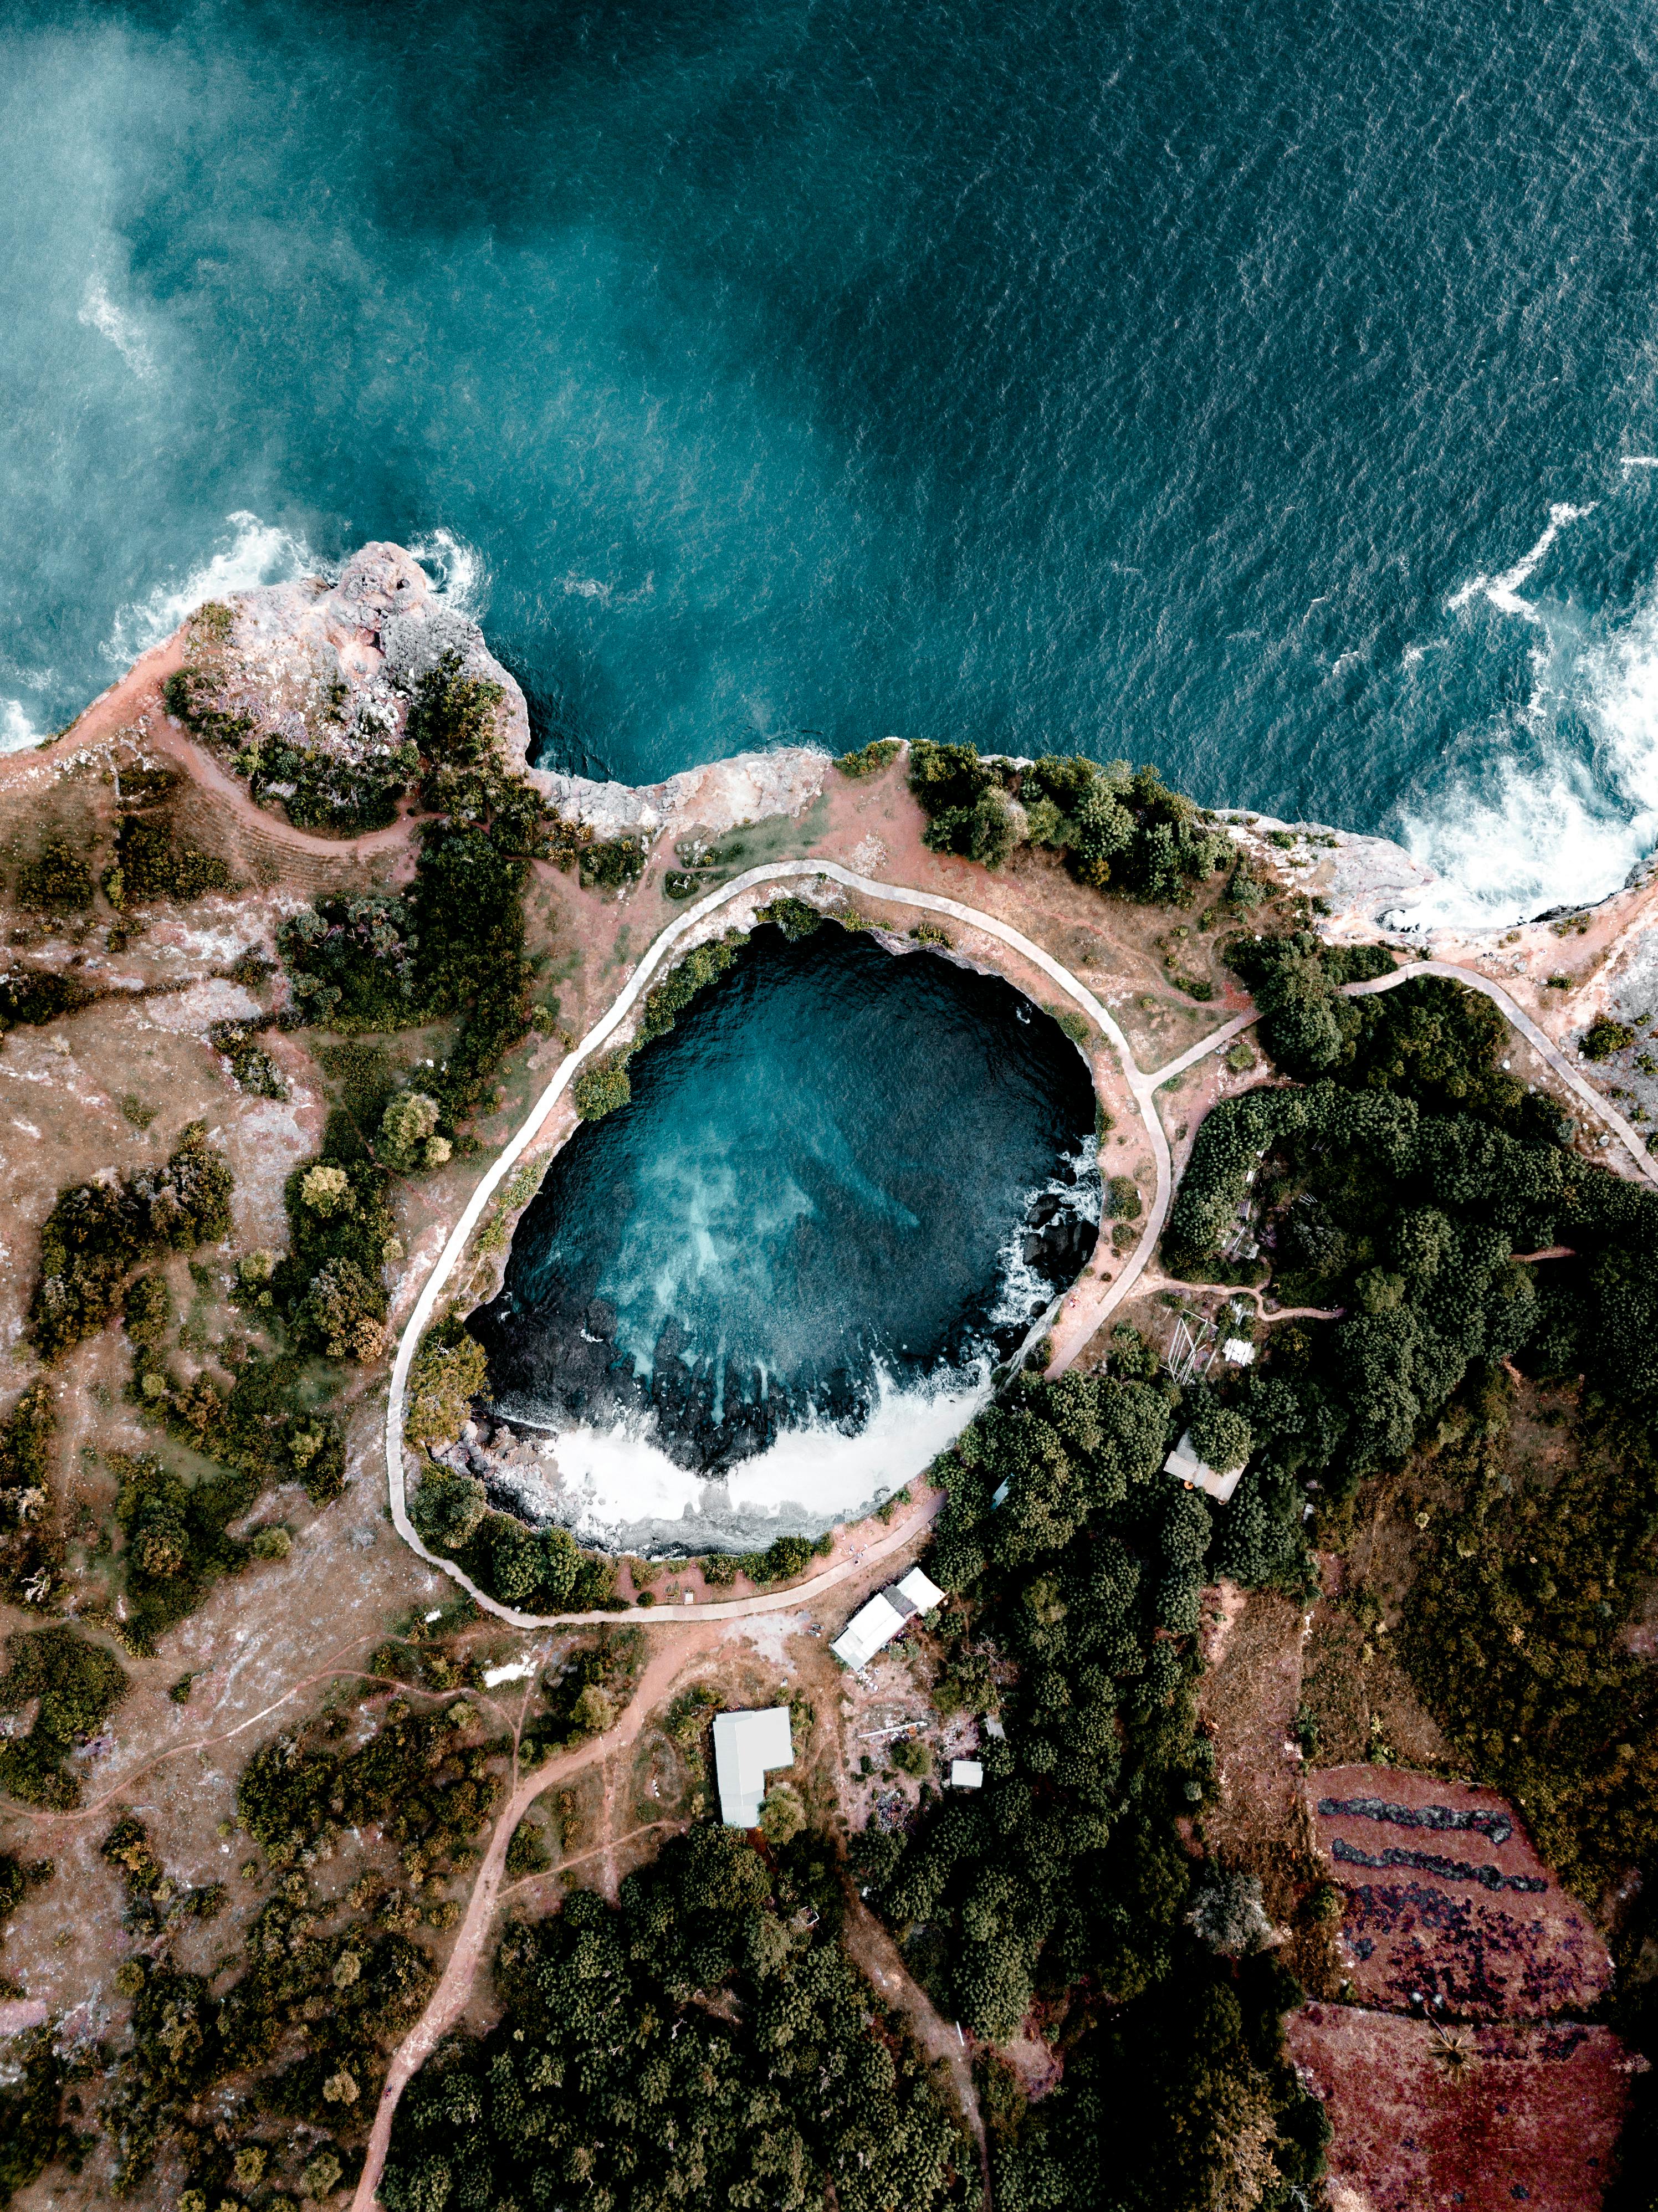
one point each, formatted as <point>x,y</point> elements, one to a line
<point>1448,1907</point>
<point>1483,2118</point>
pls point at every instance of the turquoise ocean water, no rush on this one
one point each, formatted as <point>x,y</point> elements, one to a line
<point>1266,391</point>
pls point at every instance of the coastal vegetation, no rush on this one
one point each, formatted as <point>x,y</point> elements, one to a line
<point>1485,1396</point>
<point>1114,826</point>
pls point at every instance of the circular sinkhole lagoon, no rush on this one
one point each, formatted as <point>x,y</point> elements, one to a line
<point>768,1292</point>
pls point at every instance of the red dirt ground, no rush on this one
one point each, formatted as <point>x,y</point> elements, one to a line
<point>1530,2116</point>
<point>1448,1906</point>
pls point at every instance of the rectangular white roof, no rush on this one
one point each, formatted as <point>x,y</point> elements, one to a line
<point>967,1774</point>
<point>922,1593</point>
<point>879,1621</point>
<point>870,1628</point>
<point>748,1746</point>
<point>1186,1467</point>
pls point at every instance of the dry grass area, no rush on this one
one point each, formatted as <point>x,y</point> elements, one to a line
<point>1483,2117</point>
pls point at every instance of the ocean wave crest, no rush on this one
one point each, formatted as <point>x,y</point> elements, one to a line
<point>1555,803</point>
<point>254,553</point>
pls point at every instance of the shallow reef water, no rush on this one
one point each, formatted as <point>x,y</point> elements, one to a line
<point>775,1282</point>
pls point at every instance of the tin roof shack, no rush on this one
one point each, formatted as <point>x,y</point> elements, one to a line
<point>747,1747</point>
<point>876,1623</point>
<point>1186,1467</point>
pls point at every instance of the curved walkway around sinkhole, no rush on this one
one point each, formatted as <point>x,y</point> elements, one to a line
<point>1071,1325</point>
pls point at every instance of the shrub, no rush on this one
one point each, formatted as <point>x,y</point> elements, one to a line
<point>782,1816</point>
<point>343,1311</point>
<point>58,880</point>
<point>1122,1199</point>
<point>406,1140</point>
<point>447,1373</point>
<point>448,1508</point>
<point>910,1755</point>
<point>670,997</point>
<point>1605,1036</point>
<point>870,759</point>
<point>795,917</point>
<point>601,1089</point>
<point>30,1548</point>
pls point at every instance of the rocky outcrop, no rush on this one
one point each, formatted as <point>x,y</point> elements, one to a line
<point>336,664</point>
<point>719,796</point>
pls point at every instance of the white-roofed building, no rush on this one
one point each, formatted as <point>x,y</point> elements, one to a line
<point>1186,1467</point>
<point>1239,1352</point>
<point>879,1621</point>
<point>747,1747</point>
<point>967,1774</point>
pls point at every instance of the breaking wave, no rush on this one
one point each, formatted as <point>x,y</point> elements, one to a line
<point>615,1484</point>
<point>1554,802</point>
<point>254,552</point>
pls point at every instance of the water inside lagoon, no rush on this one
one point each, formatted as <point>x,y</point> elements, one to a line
<point>774,1286</point>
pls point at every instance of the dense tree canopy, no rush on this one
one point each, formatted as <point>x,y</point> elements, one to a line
<point>708,2042</point>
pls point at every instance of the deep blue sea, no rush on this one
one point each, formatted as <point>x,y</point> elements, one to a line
<point>846,1182</point>
<point>1267,391</point>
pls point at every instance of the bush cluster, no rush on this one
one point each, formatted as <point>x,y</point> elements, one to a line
<point>1115,826</point>
<point>709,2039</point>
<point>870,759</point>
<point>453,945</point>
<point>447,1373</point>
<point>97,1233</point>
<point>415,1778</point>
<point>255,1070</point>
<point>314,2002</point>
<point>32,997</point>
<point>152,862</point>
<point>78,1684</point>
<point>324,791</point>
<point>56,880</point>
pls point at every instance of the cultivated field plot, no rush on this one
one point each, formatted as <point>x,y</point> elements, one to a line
<point>1480,2118</point>
<point>1449,1910</point>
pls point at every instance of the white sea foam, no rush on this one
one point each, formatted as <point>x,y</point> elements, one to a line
<point>16,730</point>
<point>459,573</point>
<point>619,1477</point>
<point>1554,823</point>
<point>254,553</point>
<point>1504,591</point>
<point>100,312</point>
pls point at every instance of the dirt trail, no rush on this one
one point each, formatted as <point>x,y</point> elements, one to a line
<point>139,693</point>
<point>874,1951</point>
<point>454,1990</point>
